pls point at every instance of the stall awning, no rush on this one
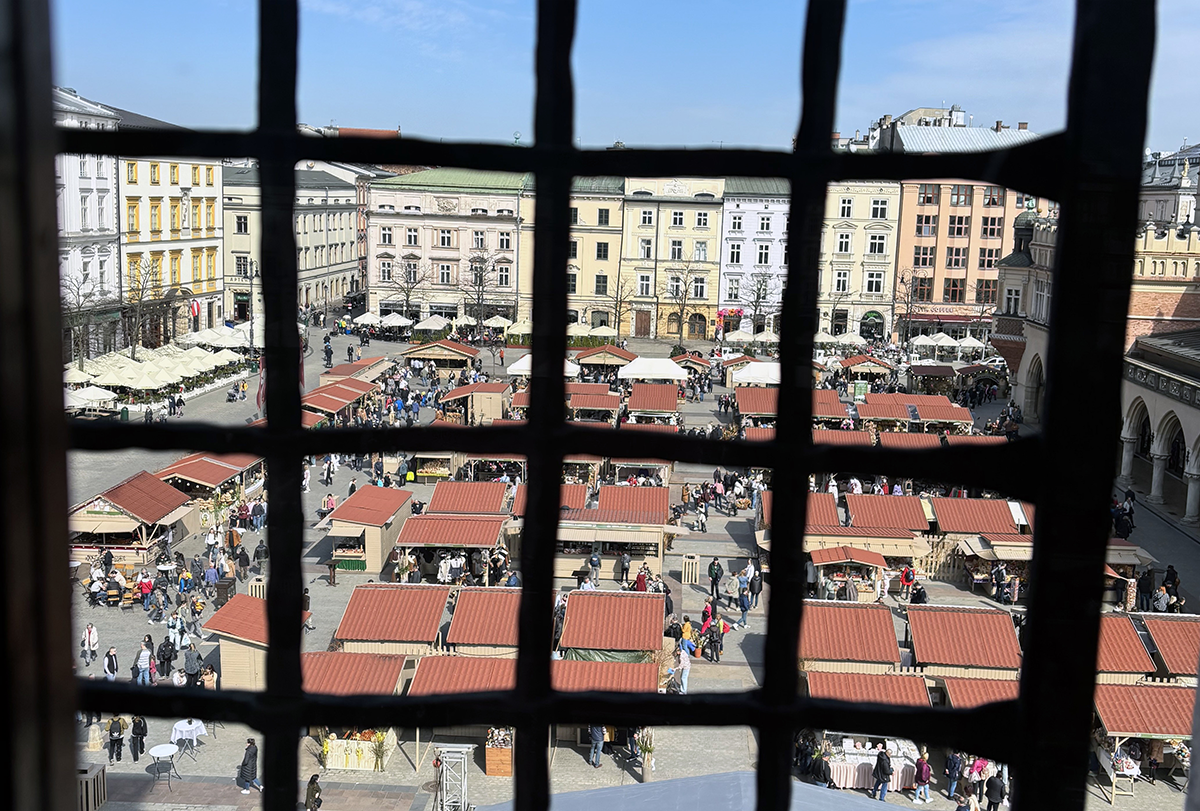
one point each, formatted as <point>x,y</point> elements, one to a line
<point>1145,711</point>
<point>593,534</point>
<point>344,535</point>
<point>174,515</point>
<point>101,524</point>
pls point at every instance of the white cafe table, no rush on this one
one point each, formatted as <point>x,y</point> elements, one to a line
<point>184,734</point>
<point>164,754</point>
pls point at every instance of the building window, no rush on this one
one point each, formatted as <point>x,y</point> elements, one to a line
<point>503,275</point>
<point>677,249</point>
<point>208,175</point>
<point>573,249</point>
<point>956,257</point>
<point>926,225</point>
<point>100,166</point>
<point>879,209</point>
<point>841,281</point>
<point>764,253</point>
<point>733,289</point>
<point>643,284</point>
<point>174,269</point>
<point>602,216</point>
<point>960,195</point>
<point>574,215</point>
<point>506,240</point>
<point>1019,199</point>
<point>1012,300</point>
<point>993,196</point>
<point>173,174</point>
<point>646,249</point>
<point>411,272</point>
<point>154,174</point>
<point>988,257</point>
<point>601,250</point>
<point>478,240</point>
<point>700,252</point>
<point>155,217</point>
<point>445,238</point>
<point>195,175</point>
<point>647,216</point>
<point>241,224</point>
<point>922,288</point>
<point>958,226</point>
<point>699,287</point>
<point>701,219</point>
<point>209,209</point>
<point>675,287</point>
<point>846,208</point>
<point>877,244</point>
<point>242,266</point>
<point>385,235</point>
<point>923,256</point>
<point>571,279</point>
<point>677,219</point>
<point>1041,300</point>
<point>952,291</point>
<point>928,194</point>
<point>411,237</point>
<point>601,287</point>
<point>735,222</point>
<point>991,227</point>
<point>83,213</point>
<point>875,282</point>
<point>985,291</point>
<point>843,242</point>
<point>764,223</point>
<point>735,253</point>
<point>444,274</point>
<point>195,267</point>
<point>83,165</point>
<point>131,172</point>
<point>385,270</point>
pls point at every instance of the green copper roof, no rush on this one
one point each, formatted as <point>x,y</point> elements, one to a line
<point>764,186</point>
<point>457,180</point>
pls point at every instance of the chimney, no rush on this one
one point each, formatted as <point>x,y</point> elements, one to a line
<point>837,136</point>
<point>999,126</point>
<point>857,135</point>
<point>887,121</point>
<point>1022,125</point>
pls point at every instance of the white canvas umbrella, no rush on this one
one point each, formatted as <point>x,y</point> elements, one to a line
<point>970,343</point>
<point>111,377</point>
<point>851,339</point>
<point>766,337</point>
<point>738,337</point>
<point>524,367</point>
<point>95,394</point>
<point>824,338</point>
<point>368,319</point>
<point>757,374</point>
<point>923,340</point>
<point>395,320</point>
<point>942,339</point>
<point>145,382</point>
<point>603,331</point>
<point>434,323</point>
<point>497,321</point>
<point>227,356</point>
<point>75,375</point>
<point>652,369</point>
<point>520,328</point>
<point>465,320</point>
<point>577,329</point>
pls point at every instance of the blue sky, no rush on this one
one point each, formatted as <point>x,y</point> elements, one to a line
<point>700,73</point>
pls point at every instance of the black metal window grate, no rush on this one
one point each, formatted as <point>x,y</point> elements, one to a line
<point>1092,168</point>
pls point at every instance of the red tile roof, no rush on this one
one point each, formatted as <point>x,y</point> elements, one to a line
<point>822,407</point>
<point>320,401</point>
<point>609,620</point>
<point>847,554</point>
<point>360,132</point>
<point>886,511</point>
<point>243,617</point>
<point>763,434</point>
<point>485,616</point>
<point>570,495</point>
<point>615,351</point>
<point>468,497</point>
<point>963,694</point>
<point>898,439</point>
<point>931,370</point>
<point>876,688</point>
<point>453,346</point>
<point>357,387</point>
<point>615,677</point>
<point>860,360</point>
<point>974,439</point>
<point>930,413</point>
<point>440,675</point>
<point>372,506</point>
<point>644,517</point>
<point>913,399</point>
<point>834,437</point>
<point>825,396</point>
<point>145,497</point>
<point>585,388</point>
<point>1137,710</point>
<point>766,500</point>
<point>650,428</point>
<point>520,399</point>
<point>655,501</point>
<point>452,530</point>
<point>1030,510</point>
<point>475,388</point>
<point>848,632</point>
<point>210,470</point>
<point>654,397</point>
<point>757,401</point>
<point>822,509</point>
<point>310,419</point>
<point>887,533</point>
<point>961,636</point>
<point>738,361</point>
<point>1178,641</point>
<point>883,411</point>
<point>1121,649</point>
<point>604,402</point>
<point>346,674</point>
<point>973,515</point>
<point>386,612</point>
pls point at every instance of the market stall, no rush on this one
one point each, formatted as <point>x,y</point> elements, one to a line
<point>484,623</point>
<point>865,367</point>
<point>1176,639</point>
<point>589,633</point>
<point>1121,657</point>
<point>610,533</point>
<point>445,354</point>
<point>134,520</point>
<point>757,373</point>
<point>653,404</point>
<point>582,469</point>
<point>449,548</point>
<point>597,409</point>
<point>490,467</point>
<point>731,365</point>
<point>885,416</point>
<point>1139,722</point>
<point>240,628</point>
<point>855,569</point>
<point>847,638</point>
<point>695,362</point>
<point>755,406</point>
<point>346,674</point>
<point>945,419</point>
<point>644,368</point>
<point>930,378</point>
<point>364,528</point>
<point>827,410</point>
<point>207,477</point>
<point>600,358</point>
<point>478,403</point>
<point>963,642</point>
<point>393,618</point>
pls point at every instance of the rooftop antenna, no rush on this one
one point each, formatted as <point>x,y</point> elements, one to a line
<point>516,139</point>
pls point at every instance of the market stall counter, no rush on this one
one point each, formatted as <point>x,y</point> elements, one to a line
<point>1137,723</point>
<point>364,528</point>
<point>858,570</point>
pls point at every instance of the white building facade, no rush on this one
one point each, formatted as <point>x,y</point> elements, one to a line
<point>858,258</point>
<point>754,253</point>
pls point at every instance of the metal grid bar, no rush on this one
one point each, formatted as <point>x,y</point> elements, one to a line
<point>1092,170</point>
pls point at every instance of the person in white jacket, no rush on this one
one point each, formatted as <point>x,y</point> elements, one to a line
<point>90,644</point>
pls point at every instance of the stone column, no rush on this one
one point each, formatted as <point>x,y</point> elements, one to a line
<point>1128,446</point>
<point>1156,482</point>
<point>1191,515</point>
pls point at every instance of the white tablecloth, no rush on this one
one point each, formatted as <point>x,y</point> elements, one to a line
<point>188,731</point>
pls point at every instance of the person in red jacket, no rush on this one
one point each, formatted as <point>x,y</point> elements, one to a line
<point>907,578</point>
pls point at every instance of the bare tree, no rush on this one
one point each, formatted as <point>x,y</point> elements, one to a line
<point>619,295</point>
<point>908,294</point>
<point>763,300</point>
<point>143,299</point>
<point>835,301</point>
<point>81,297</point>
<point>480,284</point>
<point>678,293</point>
<point>408,284</point>
<point>982,300</point>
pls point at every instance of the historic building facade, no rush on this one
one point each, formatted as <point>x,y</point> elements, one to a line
<point>754,253</point>
<point>858,258</point>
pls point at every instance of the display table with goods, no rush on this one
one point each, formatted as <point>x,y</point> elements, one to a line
<point>498,752</point>
<point>368,750</point>
<point>1121,769</point>
<point>852,760</point>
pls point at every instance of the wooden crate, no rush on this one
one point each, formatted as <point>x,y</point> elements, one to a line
<point>497,762</point>
<point>93,786</point>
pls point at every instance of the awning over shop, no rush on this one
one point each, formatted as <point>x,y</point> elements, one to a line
<point>1145,711</point>
<point>95,524</point>
<point>174,515</point>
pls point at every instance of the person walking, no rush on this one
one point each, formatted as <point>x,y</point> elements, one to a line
<point>261,555</point>
<point>715,572</point>
<point>686,649</point>
<point>744,605</point>
<point>755,588</point>
<point>924,773</point>
<point>953,769</point>
<point>882,774</point>
<point>312,794</point>
<point>907,578</point>
<point>137,737</point>
<point>596,733</point>
<point>1145,590</point>
<point>248,771</point>
<point>626,561</point>
<point>994,791</point>
<point>594,565</point>
<point>143,665</point>
<point>192,663</point>
<point>116,738</point>
<point>90,644</point>
<point>110,665</point>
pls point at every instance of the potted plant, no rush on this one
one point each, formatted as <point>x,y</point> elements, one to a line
<point>645,742</point>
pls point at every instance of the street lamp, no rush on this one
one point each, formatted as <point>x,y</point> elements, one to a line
<point>254,271</point>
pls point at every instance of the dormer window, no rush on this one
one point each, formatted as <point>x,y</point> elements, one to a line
<point>383,207</point>
<point>411,208</point>
<point>504,212</point>
<point>481,212</point>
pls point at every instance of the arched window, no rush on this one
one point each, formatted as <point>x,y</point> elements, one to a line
<point>1145,437</point>
<point>1177,454</point>
<point>673,324</point>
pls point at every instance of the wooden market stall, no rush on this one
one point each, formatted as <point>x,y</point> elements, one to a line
<point>1121,657</point>
<point>907,441</point>
<point>602,357</point>
<point>600,409</point>
<point>469,498</point>
<point>965,694</point>
<point>445,354</point>
<point>612,626</point>
<point>393,618</point>
<point>951,419</point>
<point>731,365</point>
<point>653,404</point>
<point>695,362</point>
<point>520,403</point>
<point>338,401</point>
<point>205,476</point>
<point>131,520</point>
<point>367,370</point>
<point>756,406</point>
<point>956,440</point>
<point>449,548</point>
<point>865,367</point>
<point>885,416</point>
<point>822,514</point>
<point>635,526</point>
<point>364,528</point>
<point>350,674</point>
<point>1147,720</point>
<point>821,436</point>
<point>477,403</point>
<point>624,470</point>
<point>867,511</point>
<point>930,378</point>
<point>572,497</point>
<point>959,519</point>
<point>847,638</point>
<point>494,467</point>
<point>240,627</point>
<point>963,641</point>
<point>1176,640</point>
<point>856,569</point>
<point>582,469</point>
<point>484,623</point>
<point>827,409</point>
